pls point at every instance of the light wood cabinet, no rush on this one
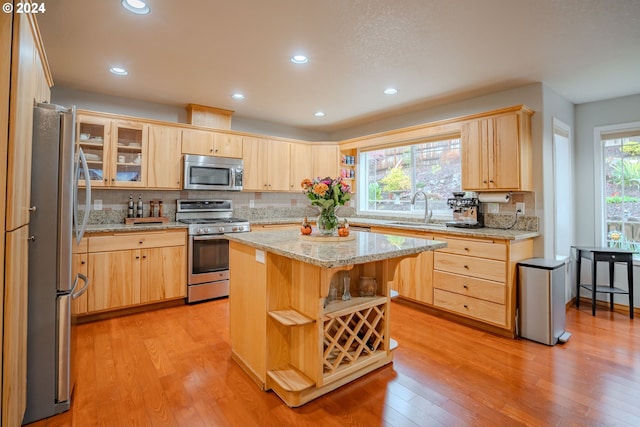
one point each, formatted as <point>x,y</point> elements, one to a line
<point>164,164</point>
<point>266,163</point>
<point>476,278</point>
<point>301,165</point>
<point>207,143</point>
<point>130,269</point>
<point>14,346</point>
<point>326,160</point>
<point>116,151</point>
<point>496,152</point>
<point>413,279</point>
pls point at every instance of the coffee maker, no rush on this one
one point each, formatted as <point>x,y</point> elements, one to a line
<point>466,211</point>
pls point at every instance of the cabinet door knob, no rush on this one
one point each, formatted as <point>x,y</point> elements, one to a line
<point>140,242</point>
<point>144,257</point>
<point>113,179</point>
<point>491,181</point>
<point>137,256</point>
<point>466,249</point>
<point>32,209</point>
<point>31,238</point>
<point>466,266</point>
<point>465,286</point>
<point>83,262</point>
<point>465,306</point>
<point>211,150</point>
<point>484,181</point>
<point>105,180</point>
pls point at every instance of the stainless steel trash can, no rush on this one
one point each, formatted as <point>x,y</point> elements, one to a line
<point>541,305</point>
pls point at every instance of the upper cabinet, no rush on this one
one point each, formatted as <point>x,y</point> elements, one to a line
<point>496,152</point>
<point>116,151</point>
<point>164,163</point>
<point>266,163</point>
<point>326,160</point>
<point>208,143</point>
<point>301,165</point>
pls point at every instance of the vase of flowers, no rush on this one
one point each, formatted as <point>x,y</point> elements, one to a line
<point>327,194</point>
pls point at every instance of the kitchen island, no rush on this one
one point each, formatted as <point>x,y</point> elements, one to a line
<point>286,333</point>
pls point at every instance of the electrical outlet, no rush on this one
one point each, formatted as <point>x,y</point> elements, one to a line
<point>97,205</point>
<point>252,203</point>
<point>520,207</point>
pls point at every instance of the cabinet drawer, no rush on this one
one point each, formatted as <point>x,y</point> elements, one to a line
<point>469,266</point>
<point>127,241</point>
<point>80,248</point>
<point>475,248</point>
<point>463,285</point>
<point>471,307</point>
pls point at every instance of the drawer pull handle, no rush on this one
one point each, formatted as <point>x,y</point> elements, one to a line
<point>466,306</point>
<point>141,242</point>
<point>466,249</point>
<point>466,266</point>
<point>465,286</point>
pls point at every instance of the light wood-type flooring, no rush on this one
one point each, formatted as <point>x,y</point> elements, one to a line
<point>173,367</point>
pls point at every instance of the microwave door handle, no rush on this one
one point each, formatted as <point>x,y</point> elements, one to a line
<point>232,177</point>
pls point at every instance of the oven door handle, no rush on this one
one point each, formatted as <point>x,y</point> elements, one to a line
<point>209,237</point>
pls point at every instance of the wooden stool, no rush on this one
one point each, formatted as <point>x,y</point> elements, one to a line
<point>611,256</point>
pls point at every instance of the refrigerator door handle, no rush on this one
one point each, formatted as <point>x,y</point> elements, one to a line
<point>85,279</point>
<point>64,349</point>
<point>87,204</point>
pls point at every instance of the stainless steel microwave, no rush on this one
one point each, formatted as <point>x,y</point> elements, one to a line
<point>212,173</point>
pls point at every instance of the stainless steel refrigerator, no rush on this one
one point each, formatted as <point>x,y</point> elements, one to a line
<point>52,283</point>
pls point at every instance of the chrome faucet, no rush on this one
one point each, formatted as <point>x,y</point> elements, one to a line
<point>427,213</point>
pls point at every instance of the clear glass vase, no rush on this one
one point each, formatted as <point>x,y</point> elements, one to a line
<point>327,222</point>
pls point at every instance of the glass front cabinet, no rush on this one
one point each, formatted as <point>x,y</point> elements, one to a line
<point>116,151</point>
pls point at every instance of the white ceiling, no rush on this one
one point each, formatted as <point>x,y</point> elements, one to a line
<point>432,51</point>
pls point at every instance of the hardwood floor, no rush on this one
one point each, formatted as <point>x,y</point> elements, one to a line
<point>173,367</point>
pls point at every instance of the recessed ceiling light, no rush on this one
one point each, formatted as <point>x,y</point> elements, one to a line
<point>118,71</point>
<point>390,91</point>
<point>318,114</point>
<point>299,59</point>
<point>237,96</point>
<point>136,6</point>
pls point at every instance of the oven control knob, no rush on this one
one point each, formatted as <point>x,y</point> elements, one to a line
<point>199,231</point>
<point>221,229</point>
<point>207,230</point>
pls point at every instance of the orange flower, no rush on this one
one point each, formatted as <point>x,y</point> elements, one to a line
<point>320,189</point>
<point>306,183</point>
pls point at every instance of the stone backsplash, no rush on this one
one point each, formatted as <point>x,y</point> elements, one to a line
<point>263,206</point>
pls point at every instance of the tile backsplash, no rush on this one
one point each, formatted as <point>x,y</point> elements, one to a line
<point>257,206</point>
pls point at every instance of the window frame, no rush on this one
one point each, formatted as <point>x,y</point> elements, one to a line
<point>600,135</point>
<point>363,188</point>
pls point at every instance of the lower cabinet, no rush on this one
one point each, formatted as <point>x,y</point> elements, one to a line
<point>472,277</point>
<point>129,269</point>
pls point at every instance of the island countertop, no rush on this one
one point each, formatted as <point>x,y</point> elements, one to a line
<point>366,247</point>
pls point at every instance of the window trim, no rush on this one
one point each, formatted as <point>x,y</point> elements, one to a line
<point>413,214</point>
<point>600,134</point>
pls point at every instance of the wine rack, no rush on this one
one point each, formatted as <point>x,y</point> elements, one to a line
<point>354,334</point>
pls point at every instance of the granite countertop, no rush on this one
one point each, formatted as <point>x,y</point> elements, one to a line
<point>485,232</point>
<point>366,247</point>
<point>120,228</point>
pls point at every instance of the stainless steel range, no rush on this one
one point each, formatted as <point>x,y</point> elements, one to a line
<point>208,250</point>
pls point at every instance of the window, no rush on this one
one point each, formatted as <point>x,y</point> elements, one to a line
<point>621,188</point>
<point>388,178</point>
